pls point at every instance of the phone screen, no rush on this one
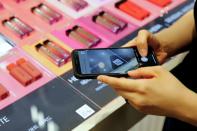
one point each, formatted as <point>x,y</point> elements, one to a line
<point>89,63</point>
<point>99,61</point>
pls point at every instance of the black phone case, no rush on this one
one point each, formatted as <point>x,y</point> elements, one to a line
<point>94,76</point>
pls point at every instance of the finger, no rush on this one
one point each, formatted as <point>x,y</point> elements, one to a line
<point>161,57</point>
<point>130,43</point>
<point>120,83</point>
<point>134,105</point>
<point>142,42</point>
<point>144,72</point>
<point>131,96</point>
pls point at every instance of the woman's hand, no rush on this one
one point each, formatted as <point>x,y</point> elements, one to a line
<point>146,38</point>
<point>153,90</point>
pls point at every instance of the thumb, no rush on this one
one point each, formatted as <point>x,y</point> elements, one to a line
<point>130,43</point>
<point>144,72</point>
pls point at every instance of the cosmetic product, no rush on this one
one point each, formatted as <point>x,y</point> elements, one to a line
<point>4,93</point>
<point>24,27</point>
<point>16,30</point>
<point>76,5</point>
<point>43,15</point>
<point>50,55</point>
<point>19,74</point>
<point>94,39</point>
<point>77,37</point>
<point>57,16</point>
<point>58,50</point>
<point>18,1</point>
<point>29,68</point>
<point>73,4</point>
<point>161,3</point>
<point>114,19</point>
<point>133,9</point>
<point>106,24</point>
<point>82,3</point>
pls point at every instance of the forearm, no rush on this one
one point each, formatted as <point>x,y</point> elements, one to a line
<point>187,110</point>
<point>179,35</point>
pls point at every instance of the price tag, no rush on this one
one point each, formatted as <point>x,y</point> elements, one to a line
<point>85,111</point>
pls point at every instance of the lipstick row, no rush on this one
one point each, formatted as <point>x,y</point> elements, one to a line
<point>46,13</point>
<point>76,5</point>
<point>136,11</point>
<point>161,3</point>
<point>17,26</point>
<point>105,20</point>
<point>83,36</point>
<point>132,9</point>
<point>109,22</point>
<point>24,72</point>
<point>4,93</point>
<point>53,52</point>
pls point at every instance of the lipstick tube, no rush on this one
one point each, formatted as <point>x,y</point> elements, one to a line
<point>161,3</point>
<point>74,35</point>
<point>133,10</point>
<point>106,24</point>
<point>18,1</point>
<point>19,74</point>
<point>27,29</point>
<point>57,16</point>
<point>77,5</point>
<point>14,28</point>
<point>43,15</point>
<point>50,55</point>
<point>29,68</point>
<point>114,19</point>
<point>73,4</point>
<point>4,93</point>
<point>94,39</point>
<point>82,3</point>
<point>56,49</point>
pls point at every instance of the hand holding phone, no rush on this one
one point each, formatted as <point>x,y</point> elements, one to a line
<point>90,63</point>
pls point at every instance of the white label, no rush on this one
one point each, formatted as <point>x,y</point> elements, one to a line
<point>4,47</point>
<point>4,120</point>
<point>85,111</point>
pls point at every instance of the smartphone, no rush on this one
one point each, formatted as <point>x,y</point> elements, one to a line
<point>90,63</point>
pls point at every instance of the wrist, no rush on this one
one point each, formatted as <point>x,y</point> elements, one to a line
<point>186,110</point>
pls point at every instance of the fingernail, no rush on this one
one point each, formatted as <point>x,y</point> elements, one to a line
<point>129,72</point>
<point>100,78</point>
<point>143,52</point>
